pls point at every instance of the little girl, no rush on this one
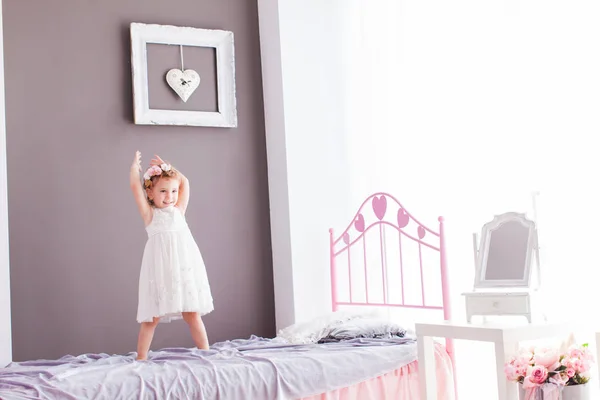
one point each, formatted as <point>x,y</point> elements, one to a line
<point>173,282</point>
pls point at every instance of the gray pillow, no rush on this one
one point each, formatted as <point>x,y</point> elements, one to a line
<point>364,328</point>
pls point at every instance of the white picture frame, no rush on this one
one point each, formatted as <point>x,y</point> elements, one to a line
<point>223,43</point>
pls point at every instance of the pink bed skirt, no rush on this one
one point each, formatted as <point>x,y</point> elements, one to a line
<point>400,384</point>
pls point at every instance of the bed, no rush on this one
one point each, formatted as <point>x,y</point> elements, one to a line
<point>349,353</point>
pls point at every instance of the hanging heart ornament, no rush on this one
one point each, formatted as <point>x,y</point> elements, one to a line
<point>183,82</point>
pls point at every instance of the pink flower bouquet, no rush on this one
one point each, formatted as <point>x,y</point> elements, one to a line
<point>536,367</point>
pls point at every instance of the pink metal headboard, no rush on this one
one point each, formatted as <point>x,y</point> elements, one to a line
<point>409,227</point>
<point>375,213</point>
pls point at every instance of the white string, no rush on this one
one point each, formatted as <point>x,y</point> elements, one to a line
<point>181,54</point>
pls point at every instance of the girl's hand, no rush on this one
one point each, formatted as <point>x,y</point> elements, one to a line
<point>157,161</point>
<point>137,161</point>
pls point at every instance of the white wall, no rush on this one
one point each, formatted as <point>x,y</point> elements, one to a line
<point>5,324</point>
<point>488,82</point>
<point>300,61</point>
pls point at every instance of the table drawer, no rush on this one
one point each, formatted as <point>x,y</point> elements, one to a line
<point>498,304</point>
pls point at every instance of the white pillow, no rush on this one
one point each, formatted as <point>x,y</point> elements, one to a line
<point>319,327</point>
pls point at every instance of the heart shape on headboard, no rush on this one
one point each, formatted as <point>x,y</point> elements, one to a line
<point>379,206</point>
<point>359,223</point>
<point>403,218</point>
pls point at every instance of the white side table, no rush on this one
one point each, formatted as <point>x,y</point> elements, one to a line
<point>506,338</point>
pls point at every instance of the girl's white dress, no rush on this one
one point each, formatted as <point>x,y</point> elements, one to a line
<point>173,276</point>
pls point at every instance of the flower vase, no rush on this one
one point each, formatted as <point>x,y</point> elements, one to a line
<point>574,392</point>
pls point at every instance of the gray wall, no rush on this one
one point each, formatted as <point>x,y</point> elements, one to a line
<point>76,239</point>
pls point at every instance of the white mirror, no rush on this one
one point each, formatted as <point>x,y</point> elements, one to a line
<point>505,262</point>
<point>504,258</point>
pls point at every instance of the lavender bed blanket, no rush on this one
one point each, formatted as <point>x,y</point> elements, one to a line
<point>255,368</point>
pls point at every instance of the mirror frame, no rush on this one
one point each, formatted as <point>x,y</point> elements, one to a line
<point>482,256</point>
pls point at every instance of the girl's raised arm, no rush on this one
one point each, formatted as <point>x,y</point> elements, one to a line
<point>138,191</point>
<point>184,193</point>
